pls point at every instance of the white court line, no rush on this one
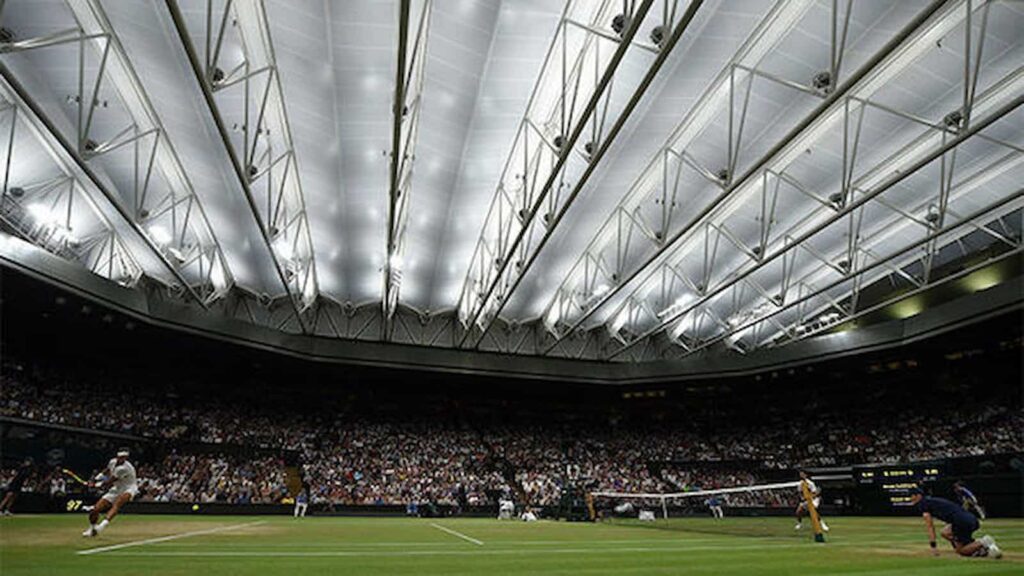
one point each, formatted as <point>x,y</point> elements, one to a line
<point>675,541</point>
<point>486,552</point>
<point>166,538</point>
<point>457,533</point>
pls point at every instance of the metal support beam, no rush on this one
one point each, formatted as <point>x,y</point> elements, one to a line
<point>206,88</point>
<point>191,246</point>
<point>532,203</point>
<point>25,102</point>
<point>638,94</point>
<point>614,243</point>
<point>999,93</point>
<point>848,209</point>
<point>192,242</point>
<point>751,174</point>
<point>884,263</point>
<point>405,126</point>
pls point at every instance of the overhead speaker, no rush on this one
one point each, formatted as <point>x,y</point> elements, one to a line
<point>954,120</point>
<point>658,35</point>
<point>822,81</point>
<point>620,23</point>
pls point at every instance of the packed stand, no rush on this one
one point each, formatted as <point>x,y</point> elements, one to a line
<point>181,478</point>
<point>360,462</point>
<point>465,461</point>
<point>213,478</point>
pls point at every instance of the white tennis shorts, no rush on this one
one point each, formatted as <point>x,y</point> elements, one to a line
<point>114,493</point>
<point>816,500</point>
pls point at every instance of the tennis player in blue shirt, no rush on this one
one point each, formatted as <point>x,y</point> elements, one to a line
<point>960,526</point>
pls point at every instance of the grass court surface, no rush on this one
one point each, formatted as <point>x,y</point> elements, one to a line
<point>220,545</point>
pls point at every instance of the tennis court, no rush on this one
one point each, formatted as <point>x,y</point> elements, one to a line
<point>169,545</point>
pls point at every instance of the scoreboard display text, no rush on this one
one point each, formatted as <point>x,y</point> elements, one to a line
<point>896,481</point>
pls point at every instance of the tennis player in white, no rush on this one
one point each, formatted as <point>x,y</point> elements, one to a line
<point>801,508</point>
<point>121,486</point>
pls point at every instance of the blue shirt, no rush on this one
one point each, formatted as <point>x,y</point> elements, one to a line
<point>948,512</point>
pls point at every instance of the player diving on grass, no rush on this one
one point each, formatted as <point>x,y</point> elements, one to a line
<point>968,500</point>
<point>801,508</point>
<point>121,486</point>
<point>959,529</point>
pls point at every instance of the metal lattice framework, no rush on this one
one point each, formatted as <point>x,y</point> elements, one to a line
<point>247,103</point>
<point>408,94</point>
<point>578,69</point>
<point>46,212</point>
<point>686,278</point>
<point>114,121</point>
<point>626,181</point>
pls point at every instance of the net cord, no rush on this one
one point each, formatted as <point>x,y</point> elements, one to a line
<point>717,491</point>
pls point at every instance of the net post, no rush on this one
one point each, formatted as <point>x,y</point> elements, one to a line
<point>819,535</point>
<point>664,509</point>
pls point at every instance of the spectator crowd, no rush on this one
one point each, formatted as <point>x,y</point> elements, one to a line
<point>350,458</point>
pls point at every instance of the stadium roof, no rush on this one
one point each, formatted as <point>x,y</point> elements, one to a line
<point>633,180</point>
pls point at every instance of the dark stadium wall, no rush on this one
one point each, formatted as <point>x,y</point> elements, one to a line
<point>948,307</point>
<point>40,321</point>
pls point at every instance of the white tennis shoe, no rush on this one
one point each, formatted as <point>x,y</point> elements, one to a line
<point>993,549</point>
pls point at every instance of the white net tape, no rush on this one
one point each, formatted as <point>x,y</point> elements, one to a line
<point>663,497</point>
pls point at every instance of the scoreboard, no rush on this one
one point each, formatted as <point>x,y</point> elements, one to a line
<point>893,483</point>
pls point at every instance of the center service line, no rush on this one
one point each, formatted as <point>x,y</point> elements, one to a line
<point>457,533</point>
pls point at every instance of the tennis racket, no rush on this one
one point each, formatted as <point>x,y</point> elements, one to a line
<point>75,477</point>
